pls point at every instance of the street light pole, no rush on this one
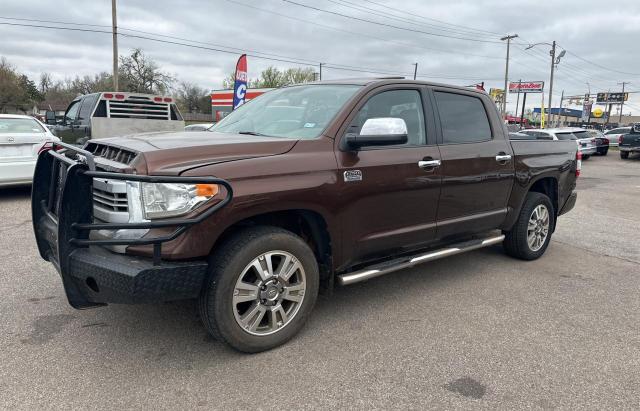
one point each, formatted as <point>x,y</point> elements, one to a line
<point>415,70</point>
<point>506,72</point>
<point>114,29</point>
<point>553,64</point>
<point>622,102</point>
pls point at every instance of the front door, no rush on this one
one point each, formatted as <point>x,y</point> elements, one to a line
<point>477,164</point>
<point>389,195</point>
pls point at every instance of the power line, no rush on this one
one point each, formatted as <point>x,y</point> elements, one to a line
<point>414,22</point>
<point>601,66</point>
<point>292,60</point>
<point>390,25</point>
<point>471,29</point>
<point>448,51</point>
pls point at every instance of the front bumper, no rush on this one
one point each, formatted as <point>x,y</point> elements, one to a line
<point>62,214</point>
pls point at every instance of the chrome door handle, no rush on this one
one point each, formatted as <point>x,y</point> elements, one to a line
<point>429,163</point>
<point>503,157</point>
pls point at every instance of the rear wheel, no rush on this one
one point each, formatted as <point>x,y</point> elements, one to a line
<point>530,235</point>
<point>586,156</point>
<point>605,151</point>
<point>624,155</point>
<point>263,285</point>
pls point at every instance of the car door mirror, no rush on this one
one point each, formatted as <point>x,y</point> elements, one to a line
<point>381,131</point>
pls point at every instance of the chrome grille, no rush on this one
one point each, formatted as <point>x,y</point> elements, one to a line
<point>110,202</point>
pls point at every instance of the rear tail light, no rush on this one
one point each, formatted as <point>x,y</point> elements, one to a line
<point>157,99</point>
<point>108,95</point>
<point>578,163</point>
<point>168,99</point>
<point>620,140</point>
<point>120,96</point>
<point>48,145</point>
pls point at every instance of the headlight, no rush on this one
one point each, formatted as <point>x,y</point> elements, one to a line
<point>161,200</point>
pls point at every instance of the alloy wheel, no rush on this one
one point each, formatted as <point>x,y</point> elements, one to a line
<point>538,227</point>
<point>269,293</point>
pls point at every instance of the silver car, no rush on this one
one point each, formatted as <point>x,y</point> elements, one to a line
<point>586,143</point>
<point>21,139</point>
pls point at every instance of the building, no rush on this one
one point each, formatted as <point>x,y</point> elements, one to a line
<point>222,101</point>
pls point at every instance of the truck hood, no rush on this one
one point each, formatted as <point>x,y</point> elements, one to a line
<point>172,153</point>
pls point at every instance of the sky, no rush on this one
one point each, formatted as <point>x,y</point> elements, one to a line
<point>353,38</point>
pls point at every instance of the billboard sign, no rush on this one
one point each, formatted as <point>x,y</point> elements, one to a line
<point>526,86</point>
<point>612,97</point>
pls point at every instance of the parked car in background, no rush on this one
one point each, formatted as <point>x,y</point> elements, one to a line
<point>101,115</point>
<point>602,141</point>
<point>586,143</point>
<point>21,140</point>
<point>199,127</point>
<point>315,185</point>
<point>630,143</point>
<point>614,134</point>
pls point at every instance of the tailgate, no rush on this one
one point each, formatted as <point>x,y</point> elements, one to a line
<point>630,140</point>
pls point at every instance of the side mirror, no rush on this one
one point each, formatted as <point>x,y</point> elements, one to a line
<point>381,131</point>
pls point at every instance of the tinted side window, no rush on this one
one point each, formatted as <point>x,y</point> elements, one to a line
<point>463,118</point>
<point>72,112</point>
<point>404,104</point>
<point>87,107</point>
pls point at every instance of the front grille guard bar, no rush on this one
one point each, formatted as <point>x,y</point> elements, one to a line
<point>181,224</point>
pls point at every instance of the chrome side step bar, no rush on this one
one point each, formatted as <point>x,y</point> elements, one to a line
<point>400,264</point>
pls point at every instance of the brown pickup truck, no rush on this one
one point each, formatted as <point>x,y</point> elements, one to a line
<point>303,187</point>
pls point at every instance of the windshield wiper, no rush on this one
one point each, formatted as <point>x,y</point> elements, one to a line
<point>252,133</point>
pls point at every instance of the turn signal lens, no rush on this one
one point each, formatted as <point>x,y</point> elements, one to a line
<point>207,190</point>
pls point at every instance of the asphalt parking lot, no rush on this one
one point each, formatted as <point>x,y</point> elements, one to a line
<point>479,331</point>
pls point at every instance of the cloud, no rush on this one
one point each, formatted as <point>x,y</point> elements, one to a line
<point>604,35</point>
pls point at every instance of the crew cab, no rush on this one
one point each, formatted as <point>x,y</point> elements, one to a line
<point>110,114</point>
<point>302,188</point>
<point>630,143</point>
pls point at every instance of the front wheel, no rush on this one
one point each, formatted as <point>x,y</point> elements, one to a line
<point>529,237</point>
<point>263,284</point>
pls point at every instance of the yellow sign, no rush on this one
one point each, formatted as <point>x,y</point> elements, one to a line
<point>597,112</point>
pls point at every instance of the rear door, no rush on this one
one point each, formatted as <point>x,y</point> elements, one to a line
<point>389,195</point>
<point>477,164</point>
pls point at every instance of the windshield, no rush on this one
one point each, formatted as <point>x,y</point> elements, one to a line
<point>20,125</point>
<point>290,112</point>
<point>566,136</point>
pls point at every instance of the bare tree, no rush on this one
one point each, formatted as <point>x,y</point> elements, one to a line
<point>140,74</point>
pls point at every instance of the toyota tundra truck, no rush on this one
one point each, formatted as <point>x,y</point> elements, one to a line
<point>301,189</point>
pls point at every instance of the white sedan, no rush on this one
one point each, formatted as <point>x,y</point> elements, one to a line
<point>21,139</point>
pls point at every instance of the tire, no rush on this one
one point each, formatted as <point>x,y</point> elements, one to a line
<point>268,321</point>
<point>586,156</point>
<point>605,151</point>
<point>624,155</point>
<point>516,242</point>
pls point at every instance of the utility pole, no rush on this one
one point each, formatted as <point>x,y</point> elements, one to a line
<point>506,72</point>
<point>589,94</point>
<point>560,110</point>
<point>518,99</point>
<point>553,65</point>
<point>415,70</point>
<point>114,29</point>
<point>622,102</point>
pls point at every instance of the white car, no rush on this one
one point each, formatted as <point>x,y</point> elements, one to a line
<point>21,139</point>
<point>614,134</point>
<point>586,143</point>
